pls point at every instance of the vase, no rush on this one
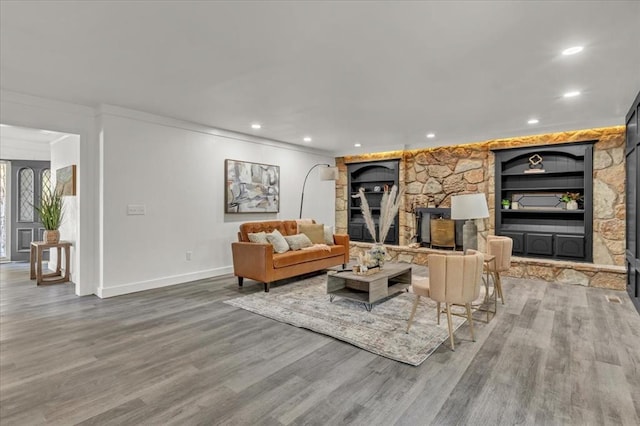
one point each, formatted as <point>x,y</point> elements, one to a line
<point>572,205</point>
<point>378,252</point>
<point>51,237</point>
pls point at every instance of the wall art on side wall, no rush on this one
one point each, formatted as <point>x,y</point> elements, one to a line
<point>66,180</point>
<point>251,187</point>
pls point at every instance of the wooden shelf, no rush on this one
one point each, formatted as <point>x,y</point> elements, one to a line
<point>542,211</point>
<point>389,182</point>
<point>563,188</point>
<point>567,173</point>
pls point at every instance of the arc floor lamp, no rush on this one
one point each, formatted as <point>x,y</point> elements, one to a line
<point>326,173</point>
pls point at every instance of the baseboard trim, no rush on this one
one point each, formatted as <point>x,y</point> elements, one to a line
<point>106,292</point>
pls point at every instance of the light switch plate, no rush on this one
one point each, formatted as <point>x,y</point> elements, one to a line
<point>136,209</point>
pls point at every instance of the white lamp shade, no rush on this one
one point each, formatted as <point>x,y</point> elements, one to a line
<point>329,173</point>
<point>469,206</point>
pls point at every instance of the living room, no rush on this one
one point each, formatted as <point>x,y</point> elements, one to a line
<point>156,123</point>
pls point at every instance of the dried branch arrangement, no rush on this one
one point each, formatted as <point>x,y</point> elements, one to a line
<point>388,210</point>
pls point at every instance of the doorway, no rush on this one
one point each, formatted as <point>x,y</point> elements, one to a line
<point>29,180</point>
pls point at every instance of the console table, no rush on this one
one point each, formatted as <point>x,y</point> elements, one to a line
<point>36,262</point>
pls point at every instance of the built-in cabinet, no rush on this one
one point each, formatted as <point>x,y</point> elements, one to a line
<point>632,255</point>
<point>533,180</point>
<point>373,177</point>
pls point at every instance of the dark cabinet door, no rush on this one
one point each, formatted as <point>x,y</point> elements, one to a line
<point>518,241</point>
<point>570,245</point>
<point>539,243</point>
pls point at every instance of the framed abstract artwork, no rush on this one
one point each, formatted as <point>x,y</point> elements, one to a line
<point>251,187</point>
<point>66,180</point>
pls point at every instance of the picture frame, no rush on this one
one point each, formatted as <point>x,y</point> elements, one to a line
<point>251,187</point>
<point>66,180</point>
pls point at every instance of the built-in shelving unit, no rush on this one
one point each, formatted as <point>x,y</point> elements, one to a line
<point>373,177</point>
<point>542,226</point>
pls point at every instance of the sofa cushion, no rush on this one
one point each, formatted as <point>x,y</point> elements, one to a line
<point>277,240</point>
<point>258,237</point>
<point>285,227</point>
<point>298,241</point>
<point>313,231</point>
<point>307,255</point>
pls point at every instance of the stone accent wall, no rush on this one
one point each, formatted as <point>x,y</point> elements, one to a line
<point>585,274</point>
<point>431,176</point>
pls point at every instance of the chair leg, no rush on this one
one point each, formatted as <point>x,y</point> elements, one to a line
<point>240,279</point>
<point>413,312</point>
<point>468,306</point>
<point>438,307</point>
<point>499,286</point>
<point>453,346</point>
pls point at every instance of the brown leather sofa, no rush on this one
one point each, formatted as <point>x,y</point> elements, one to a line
<point>258,261</point>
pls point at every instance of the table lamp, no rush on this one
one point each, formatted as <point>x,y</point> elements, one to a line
<point>469,207</point>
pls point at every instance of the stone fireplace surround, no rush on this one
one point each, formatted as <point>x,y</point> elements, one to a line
<point>433,175</point>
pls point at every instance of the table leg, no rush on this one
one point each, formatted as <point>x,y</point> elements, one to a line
<point>32,261</point>
<point>59,262</point>
<point>39,265</point>
<point>67,262</point>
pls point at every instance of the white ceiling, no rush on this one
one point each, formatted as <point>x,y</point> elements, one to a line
<point>380,73</point>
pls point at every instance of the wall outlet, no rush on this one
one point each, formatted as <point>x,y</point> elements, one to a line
<point>189,254</point>
<point>136,209</point>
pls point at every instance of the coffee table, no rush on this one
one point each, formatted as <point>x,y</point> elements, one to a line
<point>368,289</point>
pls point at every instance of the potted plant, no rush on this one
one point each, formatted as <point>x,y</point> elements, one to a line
<point>50,211</point>
<point>505,203</point>
<point>571,199</point>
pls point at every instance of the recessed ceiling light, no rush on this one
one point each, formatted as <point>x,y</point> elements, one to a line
<point>357,145</point>
<point>533,121</point>
<point>46,132</point>
<point>307,139</point>
<point>572,94</point>
<point>572,50</point>
<point>256,126</point>
<point>4,125</point>
<point>431,135</point>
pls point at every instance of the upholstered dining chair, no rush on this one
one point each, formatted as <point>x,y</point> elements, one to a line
<point>500,247</point>
<point>452,280</point>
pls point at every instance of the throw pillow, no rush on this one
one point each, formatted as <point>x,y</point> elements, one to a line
<point>277,241</point>
<point>258,237</point>
<point>328,235</point>
<point>315,232</point>
<point>303,221</point>
<point>298,241</point>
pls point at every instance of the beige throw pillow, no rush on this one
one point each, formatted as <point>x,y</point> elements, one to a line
<point>278,242</point>
<point>258,237</point>
<point>298,241</point>
<point>328,235</point>
<point>315,232</point>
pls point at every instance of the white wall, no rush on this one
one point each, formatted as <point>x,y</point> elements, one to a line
<point>176,170</point>
<point>30,111</point>
<point>66,152</point>
<point>12,149</point>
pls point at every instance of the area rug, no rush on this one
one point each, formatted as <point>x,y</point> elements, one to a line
<point>305,304</point>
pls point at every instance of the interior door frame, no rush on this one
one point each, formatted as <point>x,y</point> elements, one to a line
<point>8,215</point>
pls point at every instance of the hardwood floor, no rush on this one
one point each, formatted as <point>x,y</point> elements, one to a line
<point>554,354</point>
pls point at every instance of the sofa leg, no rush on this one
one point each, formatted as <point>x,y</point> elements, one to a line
<point>240,279</point>
<point>344,266</point>
<point>266,287</point>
